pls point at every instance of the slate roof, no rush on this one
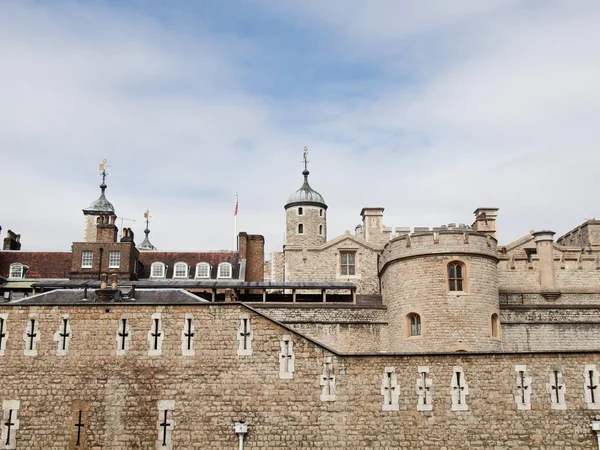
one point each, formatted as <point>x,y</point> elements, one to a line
<point>200,284</point>
<point>142,297</point>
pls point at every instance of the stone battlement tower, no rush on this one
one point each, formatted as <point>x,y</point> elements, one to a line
<point>441,291</point>
<point>305,215</point>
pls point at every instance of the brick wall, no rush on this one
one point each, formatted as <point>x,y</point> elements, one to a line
<point>125,271</point>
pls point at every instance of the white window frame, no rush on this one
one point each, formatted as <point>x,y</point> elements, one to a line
<point>12,268</point>
<point>186,270</point>
<point>222,266</point>
<point>87,259</point>
<point>203,265</point>
<point>114,262</point>
<point>163,267</point>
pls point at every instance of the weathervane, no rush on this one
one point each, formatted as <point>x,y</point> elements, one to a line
<point>305,157</point>
<point>147,216</point>
<point>102,169</point>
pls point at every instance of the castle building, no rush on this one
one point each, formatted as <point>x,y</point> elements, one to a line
<point>384,338</point>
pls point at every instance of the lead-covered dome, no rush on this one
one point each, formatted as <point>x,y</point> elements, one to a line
<point>101,205</point>
<point>306,195</point>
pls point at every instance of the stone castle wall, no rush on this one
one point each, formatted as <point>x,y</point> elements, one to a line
<point>318,264</point>
<point>414,277</point>
<point>119,395</point>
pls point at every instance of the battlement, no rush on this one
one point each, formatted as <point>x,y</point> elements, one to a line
<point>439,242</point>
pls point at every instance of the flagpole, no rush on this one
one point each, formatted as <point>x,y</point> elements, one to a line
<point>235,242</point>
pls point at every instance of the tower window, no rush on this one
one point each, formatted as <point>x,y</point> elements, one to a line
<point>114,260</point>
<point>300,211</point>
<point>202,270</point>
<point>455,276</point>
<point>347,263</point>
<point>157,270</point>
<point>300,228</point>
<point>87,259</point>
<point>414,322</point>
<point>181,270</point>
<point>495,324</point>
<point>321,230</point>
<point>321,212</point>
<point>225,270</point>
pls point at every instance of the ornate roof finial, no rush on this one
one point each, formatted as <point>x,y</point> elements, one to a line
<point>103,173</point>
<point>305,172</point>
<point>146,245</point>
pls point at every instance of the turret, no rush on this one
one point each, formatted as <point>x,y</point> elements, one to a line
<point>306,215</point>
<point>99,218</point>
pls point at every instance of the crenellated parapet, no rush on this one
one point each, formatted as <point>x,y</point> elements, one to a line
<point>428,243</point>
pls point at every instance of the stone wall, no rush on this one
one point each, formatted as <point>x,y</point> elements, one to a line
<point>323,264</point>
<point>314,223</point>
<point>119,396</point>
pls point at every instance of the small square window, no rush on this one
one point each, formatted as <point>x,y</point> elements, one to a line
<point>347,263</point>
<point>114,260</point>
<point>87,260</point>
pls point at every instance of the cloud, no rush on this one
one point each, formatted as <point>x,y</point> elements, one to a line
<point>427,109</point>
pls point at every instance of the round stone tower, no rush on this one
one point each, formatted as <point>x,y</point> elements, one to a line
<point>441,291</point>
<point>305,216</point>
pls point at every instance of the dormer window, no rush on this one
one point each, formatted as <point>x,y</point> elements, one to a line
<point>202,270</point>
<point>225,270</point>
<point>157,270</point>
<point>181,270</point>
<point>17,270</point>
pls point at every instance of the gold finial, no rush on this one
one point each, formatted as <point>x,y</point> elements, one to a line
<point>102,165</point>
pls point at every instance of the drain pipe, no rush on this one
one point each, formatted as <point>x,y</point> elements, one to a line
<point>241,428</point>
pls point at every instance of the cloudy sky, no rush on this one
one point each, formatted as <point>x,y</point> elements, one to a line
<point>429,109</point>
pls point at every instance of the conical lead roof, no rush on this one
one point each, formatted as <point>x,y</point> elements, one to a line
<point>101,205</point>
<point>306,195</point>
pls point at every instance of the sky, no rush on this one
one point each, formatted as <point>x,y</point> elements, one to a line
<point>429,109</point>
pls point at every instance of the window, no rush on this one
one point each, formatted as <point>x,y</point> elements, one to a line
<point>202,270</point>
<point>225,270</point>
<point>495,323</point>
<point>17,270</point>
<point>157,270</point>
<point>455,276</point>
<point>321,213</point>
<point>414,321</point>
<point>181,270</point>
<point>114,260</point>
<point>300,228</point>
<point>321,230</point>
<point>300,211</point>
<point>347,263</point>
<point>87,259</point>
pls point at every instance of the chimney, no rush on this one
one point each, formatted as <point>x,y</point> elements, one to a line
<point>106,230</point>
<point>544,241</point>
<point>12,241</point>
<point>127,235</point>
<point>485,221</point>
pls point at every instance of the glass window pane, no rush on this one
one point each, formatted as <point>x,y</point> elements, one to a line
<point>351,270</point>
<point>458,271</point>
<point>344,258</point>
<point>459,285</point>
<point>351,258</point>
<point>451,271</point>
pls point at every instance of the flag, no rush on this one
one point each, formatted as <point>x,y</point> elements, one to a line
<point>236,205</point>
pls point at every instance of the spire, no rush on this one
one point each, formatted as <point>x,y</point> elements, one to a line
<point>101,206</point>
<point>146,245</point>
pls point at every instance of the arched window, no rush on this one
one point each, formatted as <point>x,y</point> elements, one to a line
<point>300,211</point>
<point>321,212</point>
<point>17,270</point>
<point>414,322</point>
<point>224,270</point>
<point>202,270</point>
<point>495,325</point>
<point>157,270</point>
<point>456,276</point>
<point>300,228</point>
<point>180,270</point>
<point>321,230</point>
